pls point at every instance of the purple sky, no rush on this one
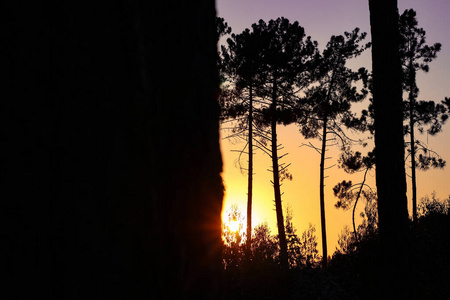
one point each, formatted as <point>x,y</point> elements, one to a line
<point>323,18</point>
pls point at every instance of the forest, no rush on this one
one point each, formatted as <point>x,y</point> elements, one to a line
<point>274,75</point>
<point>112,182</point>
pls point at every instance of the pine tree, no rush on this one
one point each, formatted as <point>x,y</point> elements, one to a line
<point>241,64</point>
<point>327,104</point>
<point>285,53</point>
<point>416,55</point>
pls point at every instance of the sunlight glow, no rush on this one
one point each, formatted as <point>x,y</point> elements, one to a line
<point>234,226</point>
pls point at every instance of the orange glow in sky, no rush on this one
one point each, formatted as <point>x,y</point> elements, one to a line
<point>302,193</point>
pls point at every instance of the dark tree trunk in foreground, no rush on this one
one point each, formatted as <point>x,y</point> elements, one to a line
<point>113,174</point>
<point>322,193</point>
<point>276,181</point>
<point>390,167</point>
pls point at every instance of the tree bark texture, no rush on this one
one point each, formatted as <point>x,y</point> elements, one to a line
<point>113,174</point>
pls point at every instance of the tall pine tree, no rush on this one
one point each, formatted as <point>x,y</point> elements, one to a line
<point>416,55</point>
<point>327,104</point>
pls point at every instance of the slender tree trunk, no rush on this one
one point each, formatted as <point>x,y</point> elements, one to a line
<point>276,182</point>
<point>413,164</point>
<point>250,174</point>
<point>354,206</point>
<point>322,174</point>
<point>412,103</point>
<point>390,166</point>
<point>322,192</point>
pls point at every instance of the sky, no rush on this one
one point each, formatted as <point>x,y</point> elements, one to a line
<point>322,19</point>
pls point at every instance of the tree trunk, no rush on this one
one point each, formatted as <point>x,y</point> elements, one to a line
<point>412,103</point>
<point>250,174</point>
<point>390,167</point>
<point>355,232</point>
<point>276,182</point>
<point>322,192</point>
<point>322,172</point>
<point>114,162</point>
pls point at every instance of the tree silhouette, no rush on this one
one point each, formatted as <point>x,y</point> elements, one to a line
<point>308,248</point>
<point>293,241</point>
<point>286,56</point>
<point>285,53</point>
<point>327,104</point>
<point>433,206</point>
<point>242,63</point>
<point>349,193</point>
<point>389,148</point>
<point>416,55</point>
<point>233,236</point>
<point>222,29</point>
<point>264,246</point>
<point>263,64</point>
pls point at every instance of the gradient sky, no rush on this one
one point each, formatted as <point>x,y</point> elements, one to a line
<point>321,19</point>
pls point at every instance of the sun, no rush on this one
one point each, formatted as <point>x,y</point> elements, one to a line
<point>234,226</point>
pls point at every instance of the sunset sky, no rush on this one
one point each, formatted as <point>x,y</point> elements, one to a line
<point>321,19</point>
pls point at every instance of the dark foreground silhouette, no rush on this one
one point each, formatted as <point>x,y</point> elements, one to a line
<point>111,184</point>
<point>355,274</point>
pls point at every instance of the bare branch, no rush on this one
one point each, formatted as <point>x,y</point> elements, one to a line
<point>311,146</point>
